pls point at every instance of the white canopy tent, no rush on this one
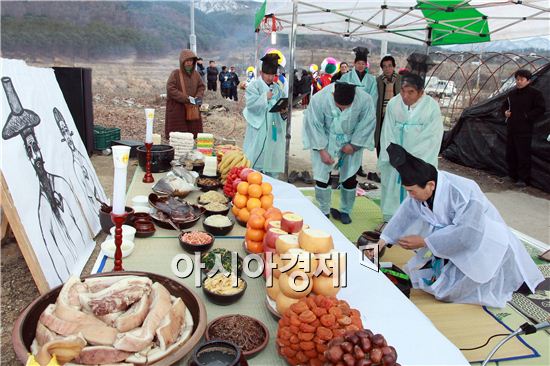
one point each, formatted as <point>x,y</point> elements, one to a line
<point>429,22</point>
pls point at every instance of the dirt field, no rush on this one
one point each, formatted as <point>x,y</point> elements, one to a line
<point>121,91</point>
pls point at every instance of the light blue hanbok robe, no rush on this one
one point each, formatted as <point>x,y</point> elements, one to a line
<point>486,261</point>
<point>368,84</point>
<point>327,127</point>
<point>419,130</point>
<point>264,141</point>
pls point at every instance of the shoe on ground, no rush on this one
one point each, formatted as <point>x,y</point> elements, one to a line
<point>328,216</point>
<point>521,184</point>
<point>344,218</point>
<point>293,177</point>
<point>335,214</point>
<point>361,173</point>
<point>306,177</point>
<point>374,177</point>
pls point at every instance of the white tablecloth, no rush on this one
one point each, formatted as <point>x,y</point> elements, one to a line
<point>383,307</point>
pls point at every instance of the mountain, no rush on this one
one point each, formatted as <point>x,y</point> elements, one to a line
<point>228,6</point>
<point>540,44</point>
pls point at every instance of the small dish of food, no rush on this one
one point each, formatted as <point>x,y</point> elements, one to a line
<point>223,256</point>
<point>208,184</point>
<point>222,289</point>
<point>212,196</point>
<point>218,225</point>
<point>196,241</point>
<point>249,334</point>
<point>216,208</point>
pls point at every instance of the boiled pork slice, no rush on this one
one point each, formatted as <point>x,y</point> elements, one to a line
<point>170,327</point>
<point>100,355</point>
<point>134,316</point>
<point>140,338</point>
<point>111,318</point>
<point>116,297</point>
<point>70,291</point>
<point>44,335</point>
<point>96,284</point>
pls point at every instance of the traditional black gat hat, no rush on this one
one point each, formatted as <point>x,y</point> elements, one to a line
<point>344,93</point>
<point>361,53</point>
<point>411,169</point>
<point>270,63</point>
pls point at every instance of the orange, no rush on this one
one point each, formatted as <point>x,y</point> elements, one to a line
<point>267,201</point>
<point>240,201</point>
<point>235,210</point>
<point>254,178</point>
<point>266,188</point>
<point>242,188</point>
<point>254,190</point>
<point>273,213</point>
<point>255,235</point>
<point>244,214</point>
<point>254,246</point>
<point>256,221</point>
<point>258,211</point>
<point>253,203</point>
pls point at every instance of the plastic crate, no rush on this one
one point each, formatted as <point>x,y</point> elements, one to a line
<point>104,137</point>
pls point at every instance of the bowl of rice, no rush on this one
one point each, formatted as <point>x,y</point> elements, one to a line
<point>218,225</point>
<point>216,208</point>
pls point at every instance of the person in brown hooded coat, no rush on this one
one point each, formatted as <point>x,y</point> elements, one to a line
<point>177,96</point>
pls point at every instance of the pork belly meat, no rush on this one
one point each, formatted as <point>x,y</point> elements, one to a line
<point>100,355</point>
<point>170,327</point>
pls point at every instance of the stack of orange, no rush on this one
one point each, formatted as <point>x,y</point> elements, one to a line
<point>257,226</point>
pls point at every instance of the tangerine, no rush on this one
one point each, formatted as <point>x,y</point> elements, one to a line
<point>266,188</point>
<point>256,221</point>
<point>254,246</point>
<point>273,213</point>
<point>267,201</point>
<point>244,214</point>
<point>254,178</point>
<point>242,188</point>
<point>235,210</point>
<point>258,211</point>
<point>240,200</point>
<point>254,190</point>
<point>255,235</point>
<point>253,203</point>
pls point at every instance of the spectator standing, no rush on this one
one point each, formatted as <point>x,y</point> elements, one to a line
<point>389,85</point>
<point>225,84</point>
<point>344,68</point>
<point>522,107</point>
<point>201,69</point>
<point>234,80</point>
<point>212,76</point>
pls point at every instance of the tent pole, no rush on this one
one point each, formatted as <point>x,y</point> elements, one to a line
<point>256,68</point>
<point>290,78</point>
<point>428,39</point>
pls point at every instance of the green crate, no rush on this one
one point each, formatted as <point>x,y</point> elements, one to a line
<point>104,137</point>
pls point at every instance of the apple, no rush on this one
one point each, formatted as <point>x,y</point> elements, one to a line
<point>271,237</point>
<point>236,183</point>
<point>292,223</point>
<point>245,172</point>
<point>274,225</point>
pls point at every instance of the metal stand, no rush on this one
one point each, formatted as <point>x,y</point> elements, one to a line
<point>118,220</point>
<point>148,177</point>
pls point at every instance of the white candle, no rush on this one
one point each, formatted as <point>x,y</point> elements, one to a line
<point>120,161</point>
<point>149,117</point>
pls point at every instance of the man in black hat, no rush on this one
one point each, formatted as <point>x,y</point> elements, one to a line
<point>360,76</point>
<point>338,124</point>
<point>465,252</point>
<point>264,141</point>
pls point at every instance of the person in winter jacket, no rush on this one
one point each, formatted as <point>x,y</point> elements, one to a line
<point>521,108</point>
<point>225,83</point>
<point>212,76</point>
<point>234,78</point>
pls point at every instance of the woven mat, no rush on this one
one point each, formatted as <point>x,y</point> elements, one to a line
<point>366,214</point>
<point>466,326</point>
<point>137,188</point>
<point>252,303</point>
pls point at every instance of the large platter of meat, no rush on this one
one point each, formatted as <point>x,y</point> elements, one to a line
<point>134,318</point>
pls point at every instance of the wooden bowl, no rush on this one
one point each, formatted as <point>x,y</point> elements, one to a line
<point>248,354</point>
<point>222,299</point>
<point>24,328</point>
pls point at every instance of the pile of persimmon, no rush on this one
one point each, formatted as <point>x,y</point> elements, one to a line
<point>251,194</point>
<point>257,225</point>
<point>310,324</point>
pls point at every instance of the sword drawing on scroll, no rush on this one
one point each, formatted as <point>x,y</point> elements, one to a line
<point>56,200</point>
<point>84,174</point>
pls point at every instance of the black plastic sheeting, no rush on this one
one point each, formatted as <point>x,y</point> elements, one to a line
<point>478,139</point>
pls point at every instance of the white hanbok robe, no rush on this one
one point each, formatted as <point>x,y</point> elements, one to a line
<point>419,130</point>
<point>264,141</point>
<point>486,261</point>
<point>325,126</point>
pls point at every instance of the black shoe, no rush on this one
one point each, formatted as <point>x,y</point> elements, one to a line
<point>335,214</point>
<point>367,186</point>
<point>361,173</point>
<point>306,177</point>
<point>328,216</point>
<point>344,218</point>
<point>375,178</point>
<point>521,184</point>
<point>293,177</point>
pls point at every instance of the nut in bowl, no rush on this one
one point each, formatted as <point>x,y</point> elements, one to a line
<point>218,225</point>
<point>208,184</point>
<point>196,241</point>
<point>108,247</point>
<point>250,334</point>
<point>223,289</point>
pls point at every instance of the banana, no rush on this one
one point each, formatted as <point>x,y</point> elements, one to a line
<point>226,159</point>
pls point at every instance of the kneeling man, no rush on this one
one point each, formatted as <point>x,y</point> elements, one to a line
<point>467,253</point>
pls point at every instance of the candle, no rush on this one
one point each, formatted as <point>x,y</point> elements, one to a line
<point>149,117</point>
<point>120,161</point>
